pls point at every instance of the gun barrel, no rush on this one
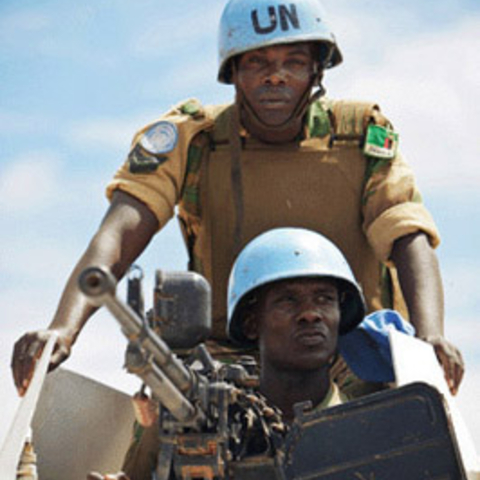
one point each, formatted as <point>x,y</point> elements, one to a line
<point>167,376</point>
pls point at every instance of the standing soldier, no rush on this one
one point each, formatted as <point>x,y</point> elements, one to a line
<point>281,155</point>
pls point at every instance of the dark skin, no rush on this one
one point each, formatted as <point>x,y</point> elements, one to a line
<point>273,81</point>
<point>295,323</point>
<point>421,284</point>
<point>129,226</point>
<point>124,233</point>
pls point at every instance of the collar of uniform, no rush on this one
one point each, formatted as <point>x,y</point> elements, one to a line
<point>317,128</point>
<point>334,397</point>
<point>316,124</point>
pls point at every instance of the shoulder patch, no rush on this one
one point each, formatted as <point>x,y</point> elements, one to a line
<point>140,161</point>
<point>380,142</point>
<point>160,138</point>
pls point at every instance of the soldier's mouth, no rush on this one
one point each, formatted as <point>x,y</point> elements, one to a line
<point>310,337</point>
<point>273,96</point>
<point>274,102</point>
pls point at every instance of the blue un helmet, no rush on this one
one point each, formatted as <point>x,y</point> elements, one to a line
<point>284,253</point>
<point>250,24</point>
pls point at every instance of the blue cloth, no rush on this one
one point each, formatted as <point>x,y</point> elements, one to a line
<point>366,349</point>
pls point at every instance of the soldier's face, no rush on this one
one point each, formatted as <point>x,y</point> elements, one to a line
<point>298,322</point>
<point>273,79</point>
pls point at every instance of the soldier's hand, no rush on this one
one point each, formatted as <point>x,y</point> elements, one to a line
<point>451,360</point>
<point>111,476</point>
<point>27,351</point>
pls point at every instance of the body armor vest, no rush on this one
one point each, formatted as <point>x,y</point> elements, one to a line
<point>311,184</point>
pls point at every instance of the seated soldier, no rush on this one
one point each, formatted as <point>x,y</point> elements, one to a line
<point>292,292</point>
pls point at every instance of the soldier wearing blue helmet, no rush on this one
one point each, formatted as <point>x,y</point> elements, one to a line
<point>247,26</point>
<point>292,292</point>
<point>282,154</point>
<point>286,254</point>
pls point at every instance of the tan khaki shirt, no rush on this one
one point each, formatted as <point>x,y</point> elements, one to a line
<point>319,182</point>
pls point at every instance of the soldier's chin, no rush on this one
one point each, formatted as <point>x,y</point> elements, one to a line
<point>274,118</point>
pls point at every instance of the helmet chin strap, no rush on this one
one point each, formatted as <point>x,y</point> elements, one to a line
<point>247,111</point>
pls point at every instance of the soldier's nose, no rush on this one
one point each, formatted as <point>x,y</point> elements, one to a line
<point>275,75</point>
<point>309,316</point>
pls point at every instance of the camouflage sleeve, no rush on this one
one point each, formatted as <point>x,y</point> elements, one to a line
<point>156,165</point>
<point>392,204</point>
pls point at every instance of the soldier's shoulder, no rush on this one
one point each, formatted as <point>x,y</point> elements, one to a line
<point>194,110</point>
<point>354,122</point>
<point>186,118</point>
<point>351,118</point>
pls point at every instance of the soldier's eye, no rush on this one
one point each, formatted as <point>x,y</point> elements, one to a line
<point>286,300</point>
<point>296,62</point>
<point>256,60</point>
<point>326,298</point>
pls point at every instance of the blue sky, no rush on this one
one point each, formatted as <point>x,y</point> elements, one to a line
<point>79,78</point>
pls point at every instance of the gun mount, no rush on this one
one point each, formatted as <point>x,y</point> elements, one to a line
<point>213,425</point>
<point>209,414</point>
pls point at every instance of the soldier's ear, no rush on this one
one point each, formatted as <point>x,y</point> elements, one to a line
<point>250,327</point>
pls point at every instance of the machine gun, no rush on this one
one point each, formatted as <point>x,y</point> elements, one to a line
<point>212,423</point>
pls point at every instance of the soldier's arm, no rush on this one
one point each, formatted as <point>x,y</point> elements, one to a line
<point>125,231</point>
<point>421,283</point>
